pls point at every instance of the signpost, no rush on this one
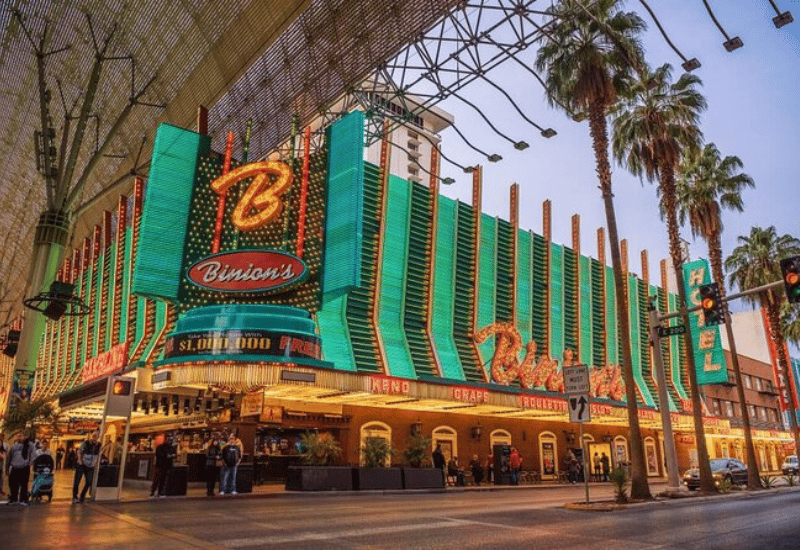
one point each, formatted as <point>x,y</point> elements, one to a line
<point>664,332</point>
<point>576,386</point>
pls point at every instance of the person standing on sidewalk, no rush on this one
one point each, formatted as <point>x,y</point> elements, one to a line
<point>514,464</point>
<point>165,453</point>
<point>3,455</point>
<point>231,456</point>
<point>20,458</point>
<point>213,463</point>
<point>88,457</point>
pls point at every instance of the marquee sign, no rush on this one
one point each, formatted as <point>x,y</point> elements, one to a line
<point>239,342</point>
<point>105,363</point>
<point>245,271</point>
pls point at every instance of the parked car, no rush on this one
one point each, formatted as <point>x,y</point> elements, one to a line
<point>790,466</point>
<point>723,468</point>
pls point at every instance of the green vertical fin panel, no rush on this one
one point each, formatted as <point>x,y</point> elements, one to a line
<point>393,279</point>
<point>159,259</point>
<point>444,291</point>
<point>505,268</point>
<point>671,395</point>
<point>539,306</point>
<point>109,313</point>
<point>675,364</point>
<point>587,320</point>
<point>160,321</point>
<point>332,323</point>
<point>360,299</point>
<point>636,341</point>
<point>126,279</point>
<point>524,288</point>
<point>570,276</point>
<point>556,300</point>
<point>598,315</point>
<point>345,207</point>
<point>464,309</point>
<point>612,324</point>
<point>418,279</point>
<point>487,283</point>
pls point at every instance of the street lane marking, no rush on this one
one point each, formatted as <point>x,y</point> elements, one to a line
<point>147,526</point>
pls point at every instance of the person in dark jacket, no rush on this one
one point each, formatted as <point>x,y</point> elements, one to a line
<point>439,462</point>
<point>231,456</point>
<point>213,462</point>
<point>88,457</point>
<point>19,460</point>
<point>165,453</point>
<point>477,470</point>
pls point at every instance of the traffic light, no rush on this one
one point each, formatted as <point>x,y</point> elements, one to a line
<point>121,387</point>
<point>791,278</point>
<point>712,304</point>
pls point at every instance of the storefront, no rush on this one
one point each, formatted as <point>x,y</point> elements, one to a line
<point>323,294</point>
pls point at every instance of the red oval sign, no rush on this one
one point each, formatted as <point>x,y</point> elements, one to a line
<point>248,271</point>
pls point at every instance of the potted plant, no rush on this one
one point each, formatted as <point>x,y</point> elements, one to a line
<point>619,480</point>
<point>26,416</point>
<point>320,452</point>
<point>377,472</point>
<point>418,472</point>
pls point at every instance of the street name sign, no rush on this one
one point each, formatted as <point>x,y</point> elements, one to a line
<point>663,332</point>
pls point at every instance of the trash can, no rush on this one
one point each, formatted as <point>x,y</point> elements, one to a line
<point>177,480</point>
<point>244,478</point>
<point>108,475</point>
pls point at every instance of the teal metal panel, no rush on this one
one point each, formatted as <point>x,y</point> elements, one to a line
<point>612,344</point>
<point>487,276</point>
<point>345,206</point>
<point>332,323</point>
<point>585,313</point>
<point>556,300</point>
<point>393,280</point>
<point>159,259</point>
<point>444,291</point>
<point>524,321</point>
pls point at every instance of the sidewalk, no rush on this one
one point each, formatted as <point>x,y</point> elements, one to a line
<point>135,490</point>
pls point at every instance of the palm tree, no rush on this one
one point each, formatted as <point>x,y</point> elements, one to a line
<point>588,57</point>
<point>707,184</point>
<point>790,321</point>
<point>754,263</point>
<point>653,128</point>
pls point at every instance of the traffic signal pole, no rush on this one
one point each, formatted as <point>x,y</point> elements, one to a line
<point>673,483</point>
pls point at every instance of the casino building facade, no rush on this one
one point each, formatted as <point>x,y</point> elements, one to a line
<point>321,292</point>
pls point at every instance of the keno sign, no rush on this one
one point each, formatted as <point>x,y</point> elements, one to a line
<point>105,363</point>
<point>242,271</point>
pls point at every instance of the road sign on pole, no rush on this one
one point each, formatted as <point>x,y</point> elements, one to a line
<point>576,380</point>
<point>663,332</point>
<point>579,410</point>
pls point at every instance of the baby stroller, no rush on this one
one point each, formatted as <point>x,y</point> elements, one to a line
<point>43,467</point>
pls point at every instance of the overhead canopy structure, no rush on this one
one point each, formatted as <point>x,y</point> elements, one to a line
<point>303,53</point>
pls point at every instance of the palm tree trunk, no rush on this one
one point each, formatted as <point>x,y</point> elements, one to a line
<point>715,257</point>
<point>773,315</point>
<point>667,183</point>
<point>640,488</point>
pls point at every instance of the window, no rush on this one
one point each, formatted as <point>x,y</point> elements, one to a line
<point>762,413</point>
<point>413,172</point>
<point>413,146</point>
<point>548,454</point>
<point>716,408</point>
<point>748,382</point>
<point>758,384</point>
<point>751,411</point>
<point>729,408</point>
<point>448,439</point>
<point>376,430</point>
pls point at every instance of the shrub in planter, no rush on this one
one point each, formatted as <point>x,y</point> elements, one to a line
<point>619,480</point>
<point>320,451</point>
<point>419,473</point>
<point>376,473</point>
<point>417,452</point>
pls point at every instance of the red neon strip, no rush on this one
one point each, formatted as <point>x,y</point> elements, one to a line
<point>301,221</point>
<point>226,166</point>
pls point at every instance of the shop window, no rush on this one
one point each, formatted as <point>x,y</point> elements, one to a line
<point>373,430</point>
<point>548,454</point>
<point>620,450</point>
<point>723,447</point>
<point>448,439</point>
<point>773,457</point>
<point>651,456</point>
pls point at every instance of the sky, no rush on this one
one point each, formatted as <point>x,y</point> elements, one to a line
<point>753,112</point>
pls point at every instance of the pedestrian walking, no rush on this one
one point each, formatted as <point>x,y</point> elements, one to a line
<point>59,457</point>
<point>514,464</point>
<point>231,456</point>
<point>606,466</point>
<point>165,454</point>
<point>490,468</point>
<point>597,466</point>
<point>213,464</point>
<point>19,458</point>
<point>87,459</point>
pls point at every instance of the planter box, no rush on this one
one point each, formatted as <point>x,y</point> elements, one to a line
<point>371,479</point>
<point>422,478</point>
<point>319,478</point>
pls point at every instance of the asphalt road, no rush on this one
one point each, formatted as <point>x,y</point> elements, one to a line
<point>520,519</point>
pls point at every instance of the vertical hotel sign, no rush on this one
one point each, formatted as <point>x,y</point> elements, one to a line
<point>706,343</point>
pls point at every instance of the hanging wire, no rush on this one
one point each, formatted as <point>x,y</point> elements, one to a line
<point>520,145</point>
<point>688,64</point>
<point>730,43</point>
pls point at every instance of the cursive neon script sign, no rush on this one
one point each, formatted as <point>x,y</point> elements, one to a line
<point>261,202</point>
